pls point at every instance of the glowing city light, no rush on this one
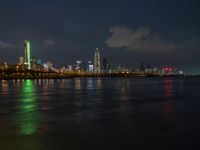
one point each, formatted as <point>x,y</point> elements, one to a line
<point>27,54</point>
<point>28,116</point>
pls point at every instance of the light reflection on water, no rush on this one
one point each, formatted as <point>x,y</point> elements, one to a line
<point>4,87</point>
<point>57,113</point>
<point>77,84</point>
<point>28,116</point>
<point>124,89</point>
<point>168,102</point>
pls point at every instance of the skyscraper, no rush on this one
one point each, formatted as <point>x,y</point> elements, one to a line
<point>27,54</point>
<point>90,66</point>
<point>97,64</point>
<point>148,66</point>
<point>142,66</point>
<point>105,65</point>
<point>21,60</point>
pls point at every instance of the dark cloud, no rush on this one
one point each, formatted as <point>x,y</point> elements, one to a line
<point>139,39</point>
<point>5,45</point>
<point>191,44</point>
<point>49,42</point>
<point>74,27</point>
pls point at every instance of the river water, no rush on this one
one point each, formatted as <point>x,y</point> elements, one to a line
<point>100,113</point>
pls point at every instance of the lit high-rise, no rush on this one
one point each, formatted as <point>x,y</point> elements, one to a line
<point>97,64</point>
<point>105,65</point>
<point>27,54</point>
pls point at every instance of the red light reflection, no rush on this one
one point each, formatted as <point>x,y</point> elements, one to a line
<point>168,103</point>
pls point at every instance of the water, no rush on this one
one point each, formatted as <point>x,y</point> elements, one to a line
<point>100,113</point>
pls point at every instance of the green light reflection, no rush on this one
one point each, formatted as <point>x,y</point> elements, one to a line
<point>28,117</point>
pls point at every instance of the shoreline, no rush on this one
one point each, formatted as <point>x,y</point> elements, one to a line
<point>92,76</point>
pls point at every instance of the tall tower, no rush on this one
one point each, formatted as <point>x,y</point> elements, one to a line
<point>97,64</point>
<point>27,54</point>
<point>142,66</point>
<point>105,65</point>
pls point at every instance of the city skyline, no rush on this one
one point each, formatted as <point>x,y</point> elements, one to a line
<point>96,65</point>
<point>66,31</point>
<point>107,74</point>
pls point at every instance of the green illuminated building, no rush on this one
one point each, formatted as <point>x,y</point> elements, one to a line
<point>27,54</point>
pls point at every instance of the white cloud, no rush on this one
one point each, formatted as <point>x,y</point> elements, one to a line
<point>141,39</point>
<point>49,42</point>
<point>5,45</point>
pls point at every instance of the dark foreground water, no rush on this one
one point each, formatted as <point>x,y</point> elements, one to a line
<point>100,113</point>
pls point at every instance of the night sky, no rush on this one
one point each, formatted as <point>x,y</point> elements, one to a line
<point>127,32</point>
